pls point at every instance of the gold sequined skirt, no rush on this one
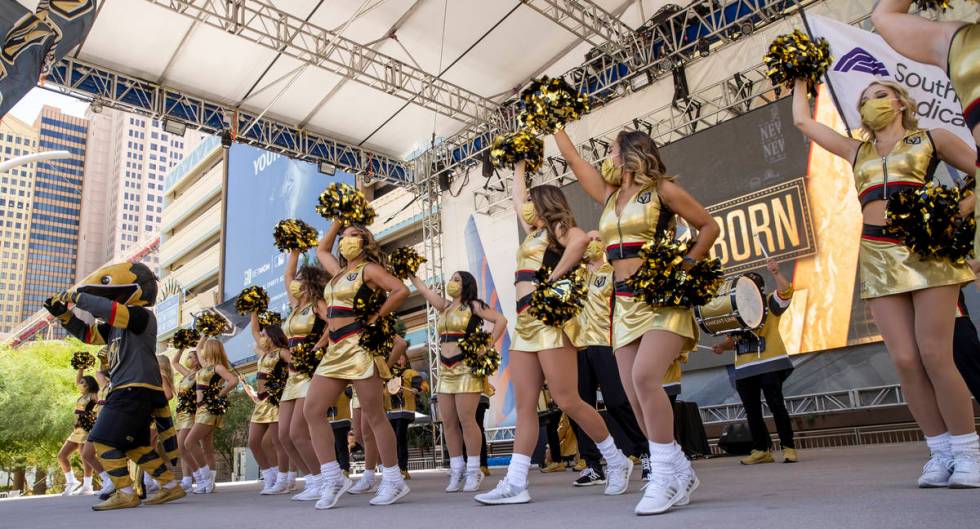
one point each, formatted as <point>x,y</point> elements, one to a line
<point>203,417</point>
<point>888,268</point>
<point>345,359</point>
<point>532,335</point>
<point>264,413</point>
<point>633,317</point>
<point>183,421</point>
<point>296,387</point>
<point>457,378</point>
<point>78,436</point>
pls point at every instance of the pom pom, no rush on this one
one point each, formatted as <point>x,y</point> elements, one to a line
<point>555,302</point>
<point>210,323</point>
<point>185,339</point>
<point>941,5</point>
<point>662,280</point>
<point>214,403</point>
<point>367,303</point>
<point>509,149</point>
<point>275,383</point>
<point>305,358</point>
<point>548,104</point>
<point>479,354</point>
<point>294,234</point>
<point>795,56</point>
<point>187,401</point>
<point>345,204</point>
<point>270,319</point>
<point>405,262</point>
<point>926,220</point>
<point>82,360</point>
<point>252,299</point>
<point>378,338</point>
<point>86,420</point>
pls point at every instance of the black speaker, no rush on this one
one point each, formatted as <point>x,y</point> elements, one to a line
<point>736,439</point>
<point>681,91</point>
<point>487,165</point>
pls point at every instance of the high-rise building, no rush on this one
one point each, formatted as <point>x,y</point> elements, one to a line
<point>16,189</point>
<point>57,202</point>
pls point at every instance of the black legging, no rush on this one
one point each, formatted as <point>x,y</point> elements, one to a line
<point>966,354</point>
<point>597,369</point>
<point>771,385</point>
<point>400,425</point>
<point>340,431</point>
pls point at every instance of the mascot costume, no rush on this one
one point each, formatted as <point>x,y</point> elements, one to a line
<point>116,297</point>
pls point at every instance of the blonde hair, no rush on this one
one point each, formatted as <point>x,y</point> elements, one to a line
<point>166,371</point>
<point>213,353</point>
<point>910,120</point>
<point>551,206</point>
<point>641,157</point>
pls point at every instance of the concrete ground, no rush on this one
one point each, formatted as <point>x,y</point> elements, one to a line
<point>847,488</point>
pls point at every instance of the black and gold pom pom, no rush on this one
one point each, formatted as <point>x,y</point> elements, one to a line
<point>185,339</point>
<point>252,299</point>
<point>926,220</point>
<point>86,420</point>
<point>940,5</point>
<point>82,360</point>
<point>479,354</point>
<point>213,401</point>
<point>343,203</point>
<point>187,401</point>
<point>378,338</point>
<point>511,148</point>
<point>556,302</point>
<point>662,280</point>
<point>210,323</point>
<point>270,319</point>
<point>367,303</point>
<point>795,56</point>
<point>305,358</point>
<point>405,262</point>
<point>275,383</point>
<point>548,104</point>
<point>294,234</point>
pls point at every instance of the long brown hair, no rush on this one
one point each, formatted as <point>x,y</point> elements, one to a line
<point>641,157</point>
<point>551,205</point>
<point>313,278</point>
<point>910,120</point>
<point>371,248</point>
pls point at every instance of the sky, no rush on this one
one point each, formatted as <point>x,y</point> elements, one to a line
<point>29,107</point>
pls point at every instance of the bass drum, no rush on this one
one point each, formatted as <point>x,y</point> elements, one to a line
<point>739,307</point>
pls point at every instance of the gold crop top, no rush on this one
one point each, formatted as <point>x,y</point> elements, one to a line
<point>596,315</point>
<point>300,322</point>
<point>963,67</point>
<point>205,377</point>
<point>342,290</point>
<point>82,404</point>
<point>911,163</point>
<point>645,218</point>
<point>533,254</point>
<point>187,383</point>
<point>453,323</point>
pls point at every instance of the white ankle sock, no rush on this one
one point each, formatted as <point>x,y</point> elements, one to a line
<point>281,477</point>
<point>274,470</point>
<point>456,463</point>
<point>939,445</point>
<point>69,477</point>
<point>330,471</point>
<point>291,475</point>
<point>968,443</point>
<point>662,457</point>
<point>105,477</point>
<point>368,474</point>
<point>681,464</point>
<point>186,481</point>
<point>613,456</point>
<point>205,472</point>
<point>517,470</point>
<point>473,464</point>
<point>87,481</point>
<point>391,473</point>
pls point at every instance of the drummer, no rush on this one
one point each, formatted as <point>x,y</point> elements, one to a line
<point>762,365</point>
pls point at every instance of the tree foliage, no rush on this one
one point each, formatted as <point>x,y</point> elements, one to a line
<point>234,432</point>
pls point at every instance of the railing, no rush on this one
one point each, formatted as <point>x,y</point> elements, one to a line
<point>844,400</point>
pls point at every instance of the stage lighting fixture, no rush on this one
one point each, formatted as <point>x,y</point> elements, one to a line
<point>746,28</point>
<point>702,47</point>
<point>328,169</point>
<point>487,169</point>
<point>177,128</point>
<point>681,91</point>
<point>95,106</point>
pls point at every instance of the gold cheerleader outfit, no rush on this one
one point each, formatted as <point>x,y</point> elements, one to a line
<point>205,378</point>
<point>265,412</point>
<point>454,375</point>
<point>345,359</point>
<point>963,68</point>
<point>644,218</point>
<point>531,334</point>
<point>593,324</point>
<point>84,404</point>
<point>301,323</point>
<point>887,266</point>
<point>187,402</point>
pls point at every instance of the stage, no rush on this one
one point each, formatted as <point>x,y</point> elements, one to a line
<point>853,488</point>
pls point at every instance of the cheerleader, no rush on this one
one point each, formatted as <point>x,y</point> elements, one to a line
<point>150,485</point>
<point>214,368</point>
<point>458,389</point>
<point>640,201</point>
<point>305,321</point>
<point>184,420</point>
<point>85,404</point>
<point>541,352</point>
<point>263,429</point>
<point>88,449</point>
<point>359,270</point>
<point>910,298</point>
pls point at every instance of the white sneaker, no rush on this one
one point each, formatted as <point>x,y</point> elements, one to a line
<point>618,478</point>
<point>86,490</point>
<point>330,492</point>
<point>70,487</point>
<point>692,483</point>
<point>646,466</point>
<point>504,494</point>
<point>473,481</point>
<point>936,472</point>
<point>204,487</point>
<point>188,487</point>
<point>660,494</point>
<point>363,486</point>
<point>210,483</point>
<point>966,472</point>
<point>310,492</point>
<point>455,481</point>
<point>279,487</point>
<point>107,489</point>
<point>389,492</point>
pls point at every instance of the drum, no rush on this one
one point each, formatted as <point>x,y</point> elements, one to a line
<point>394,385</point>
<point>739,307</point>
<point>546,405</point>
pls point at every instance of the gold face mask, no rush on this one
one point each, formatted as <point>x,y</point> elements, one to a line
<point>877,114</point>
<point>529,213</point>
<point>610,173</point>
<point>593,251</point>
<point>264,343</point>
<point>454,289</point>
<point>295,289</point>
<point>351,247</point>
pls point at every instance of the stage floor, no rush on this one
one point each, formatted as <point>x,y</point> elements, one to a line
<point>854,487</point>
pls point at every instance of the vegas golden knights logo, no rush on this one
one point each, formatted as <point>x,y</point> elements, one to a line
<point>599,281</point>
<point>352,276</point>
<point>28,31</point>
<point>644,197</point>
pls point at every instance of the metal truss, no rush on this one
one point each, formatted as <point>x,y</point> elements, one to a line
<point>277,30</point>
<point>589,22</point>
<point>852,399</point>
<point>144,97</point>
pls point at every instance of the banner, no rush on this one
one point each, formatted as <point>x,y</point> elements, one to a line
<point>25,41</point>
<point>70,20</point>
<point>861,57</point>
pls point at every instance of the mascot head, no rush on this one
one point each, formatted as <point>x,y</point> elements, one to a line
<point>126,283</point>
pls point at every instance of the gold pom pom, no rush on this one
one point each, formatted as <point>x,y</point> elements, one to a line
<point>213,401</point>
<point>405,262</point>
<point>210,323</point>
<point>270,319</point>
<point>86,420</point>
<point>82,360</point>
<point>926,220</point>
<point>479,354</point>
<point>252,299</point>
<point>556,302</point>
<point>378,338</point>
<point>795,56</point>
<point>187,401</point>
<point>548,104</point>
<point>940,5</point>
<point>343,203</point>
<point>662,280</point>
<point>185,339</point>
<point>294,234</point>
<point>305,358</point>
<point>275,383</point>
<point>509,149</point>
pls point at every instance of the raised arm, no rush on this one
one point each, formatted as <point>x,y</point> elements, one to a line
<point>101,374</point>
<point>911,35</point>
<point>230,379</point>
<point>254,317</point>
<point>289,275</point>
<point>78,376</point>
<point>518,190</point>
<point>823,135</point>
<point>436,300</point>
<point>488,314</point>
<point>689,209</point>
<point>782,283</point>
<point>377,276</point>
<point>587,175</point>
<point>324,250</point>
<point>575,241</point>
<point>184,371</point>
<point>110,313</point>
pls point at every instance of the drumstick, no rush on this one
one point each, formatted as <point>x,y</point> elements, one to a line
<point>761,246</point>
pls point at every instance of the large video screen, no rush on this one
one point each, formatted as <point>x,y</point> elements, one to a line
<point>264,188</point>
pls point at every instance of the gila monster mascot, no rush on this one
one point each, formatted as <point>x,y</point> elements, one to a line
<point>117,296</point>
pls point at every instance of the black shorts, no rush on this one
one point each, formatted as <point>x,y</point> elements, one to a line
<point>124,420</point>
